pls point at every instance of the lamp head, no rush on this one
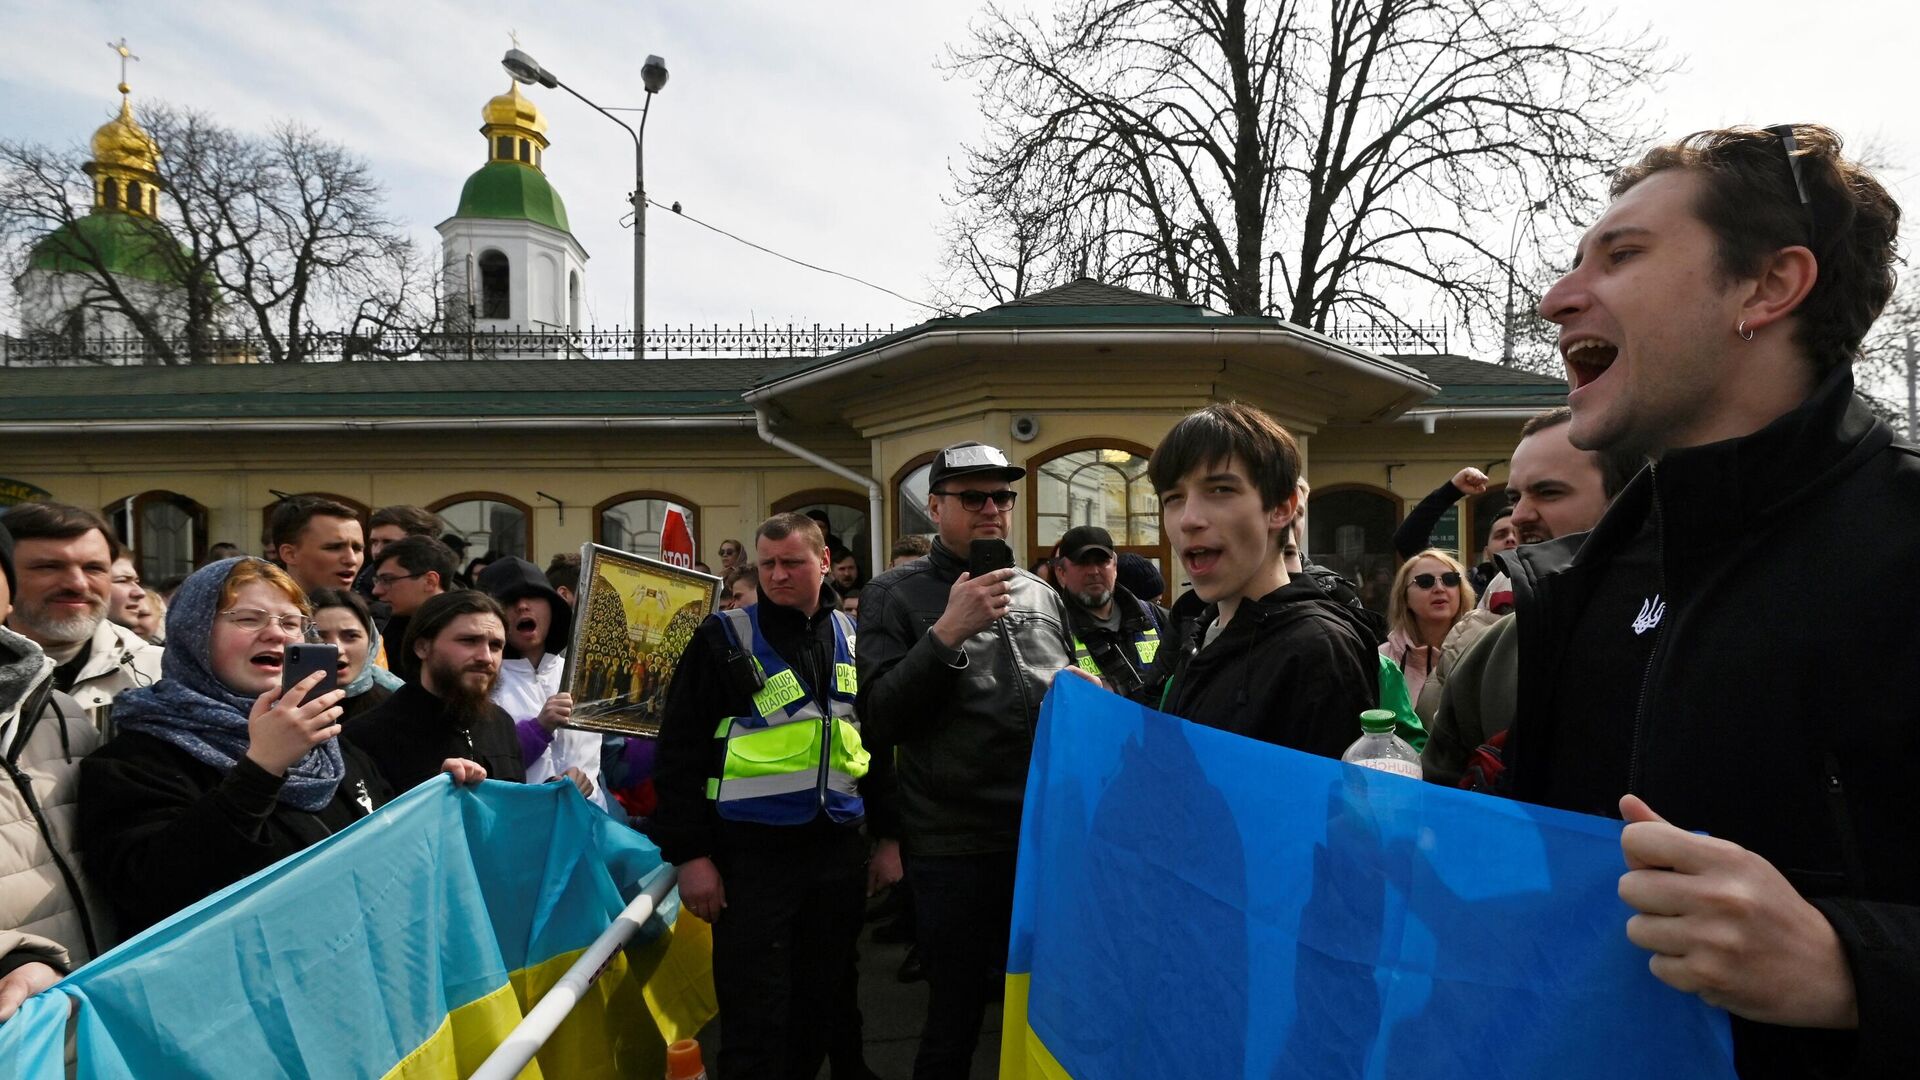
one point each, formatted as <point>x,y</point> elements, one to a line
<point>525,69</point>
<point>653,74</point>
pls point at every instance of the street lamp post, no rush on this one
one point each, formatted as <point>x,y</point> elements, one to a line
<point>653,75</point>
<point>1513,252</point>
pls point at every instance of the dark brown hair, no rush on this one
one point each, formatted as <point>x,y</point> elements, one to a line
<point>748,574</point>
<point>564,571</point>
<point>412,520</point>
<point>1217,434</point>
<point>1617,466</point>
<point>1751,203</point>
<point>58,521</point>
<point>290,517</point>
<point>419,555</point>
<point>911,547</point>
<point>321,599</point>
<point>435,614</point>
<point>781,526</point>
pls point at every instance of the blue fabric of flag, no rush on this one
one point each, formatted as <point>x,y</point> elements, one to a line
<point>344,959</point>
<point>1193,903</point>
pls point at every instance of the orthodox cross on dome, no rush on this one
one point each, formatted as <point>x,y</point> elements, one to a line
<point>126,54</point>
<point>514,36</point>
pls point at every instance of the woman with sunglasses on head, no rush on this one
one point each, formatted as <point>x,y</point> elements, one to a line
<point>215,773</point>
<point>1430,594</point>
<point>343,620</point>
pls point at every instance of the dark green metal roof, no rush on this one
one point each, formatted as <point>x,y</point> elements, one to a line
<point>377,389</point>
<point>507,189</point>
<point>1468,384</point>
<point>128,244</point>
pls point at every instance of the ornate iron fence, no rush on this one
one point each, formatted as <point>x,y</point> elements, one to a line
<point>529,344</point>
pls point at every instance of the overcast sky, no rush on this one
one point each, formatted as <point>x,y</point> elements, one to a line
<point>821,130</point>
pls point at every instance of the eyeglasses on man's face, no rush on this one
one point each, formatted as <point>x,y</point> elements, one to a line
<point>390,580</point>
<point>1425,581</point>
<point>254,620</point>
<point>975,501</point>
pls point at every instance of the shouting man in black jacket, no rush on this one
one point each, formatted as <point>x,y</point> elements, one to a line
<point>1271,658</point>
<point>764,783</point>
<point>1749,721</point>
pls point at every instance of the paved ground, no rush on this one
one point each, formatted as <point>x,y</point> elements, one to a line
<point>893,1011</point>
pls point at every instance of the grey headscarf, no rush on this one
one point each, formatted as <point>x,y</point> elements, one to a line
<point>192,709</point>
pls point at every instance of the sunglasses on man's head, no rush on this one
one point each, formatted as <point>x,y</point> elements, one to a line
<point>1425,581</point>
<point>975,501</point>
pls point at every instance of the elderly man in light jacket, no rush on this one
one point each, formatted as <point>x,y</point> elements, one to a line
<point>47,926</point>
<point>63,559</point>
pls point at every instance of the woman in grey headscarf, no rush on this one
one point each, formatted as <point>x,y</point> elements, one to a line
<point>216,773</point>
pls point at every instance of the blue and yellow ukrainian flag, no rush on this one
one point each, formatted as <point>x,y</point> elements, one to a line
<point>405,947</point>
<point>1193,903</point>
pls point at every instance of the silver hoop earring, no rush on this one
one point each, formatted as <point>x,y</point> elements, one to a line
<point>1745,334</point>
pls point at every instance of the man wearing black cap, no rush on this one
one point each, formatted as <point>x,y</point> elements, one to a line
<point>1116,635</point>
<point>539,626</point>
<point>954,683</point>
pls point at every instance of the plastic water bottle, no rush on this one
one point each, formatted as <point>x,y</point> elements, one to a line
<point>1379,748</point>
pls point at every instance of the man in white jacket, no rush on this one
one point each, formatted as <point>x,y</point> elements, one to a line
<point>63,562</point>
<point>539,624</point>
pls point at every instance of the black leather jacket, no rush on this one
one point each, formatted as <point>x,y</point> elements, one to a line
<point>962,722</point>
<point>1775,709</point>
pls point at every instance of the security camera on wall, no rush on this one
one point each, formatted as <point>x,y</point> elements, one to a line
<point>1025,428</point>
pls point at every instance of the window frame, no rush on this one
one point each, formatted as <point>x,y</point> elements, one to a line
<point>600,508</point>
<point>526,515</point>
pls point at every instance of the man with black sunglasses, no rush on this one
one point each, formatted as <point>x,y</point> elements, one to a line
<point>952,670</point>
<point>1678,666</point>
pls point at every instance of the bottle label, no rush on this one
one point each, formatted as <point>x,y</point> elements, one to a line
<point>1391,765</point>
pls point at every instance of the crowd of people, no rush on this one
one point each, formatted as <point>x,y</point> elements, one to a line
<point>1690,617</point>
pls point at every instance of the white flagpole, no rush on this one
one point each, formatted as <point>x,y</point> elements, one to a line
<point>532,1032</point>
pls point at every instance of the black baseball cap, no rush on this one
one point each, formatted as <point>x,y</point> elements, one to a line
<point>971,459</point>
<point>1084,538</point>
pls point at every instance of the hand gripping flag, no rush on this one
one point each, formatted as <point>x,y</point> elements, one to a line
<point>404,947</point>
<point>1193,903</point>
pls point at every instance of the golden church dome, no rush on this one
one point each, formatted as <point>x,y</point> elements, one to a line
<point>514,110</point>
<point>121,143</point>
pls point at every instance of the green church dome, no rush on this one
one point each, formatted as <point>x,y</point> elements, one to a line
<point>506,189</point>
<point>126,244</point>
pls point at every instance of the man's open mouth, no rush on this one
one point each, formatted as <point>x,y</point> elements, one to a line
<point>1588,358</point>
<point>526,626</point>
<point>1199,560</point>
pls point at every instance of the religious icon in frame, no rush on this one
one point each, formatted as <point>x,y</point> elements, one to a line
<point>632,619</point>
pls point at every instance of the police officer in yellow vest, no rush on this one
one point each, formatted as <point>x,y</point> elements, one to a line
<point>763,786</point>
<point>1116,635</point>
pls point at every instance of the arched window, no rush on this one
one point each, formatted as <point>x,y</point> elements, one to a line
<point>168,531</point>
<point>635,521</point>
<point>1350,530</point>
<point>846,519</point>
<point>134,199</point>
<point>1099,482</point>
<point>487,521</point>
<point>573,299</point>
<point>495,296</point>
<point>113,194</point>
<point>910,499</point>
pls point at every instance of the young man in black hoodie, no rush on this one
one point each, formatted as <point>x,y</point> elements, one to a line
<point>457,640</point>
<point>1748,719</point>
<point>1270,658</point>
